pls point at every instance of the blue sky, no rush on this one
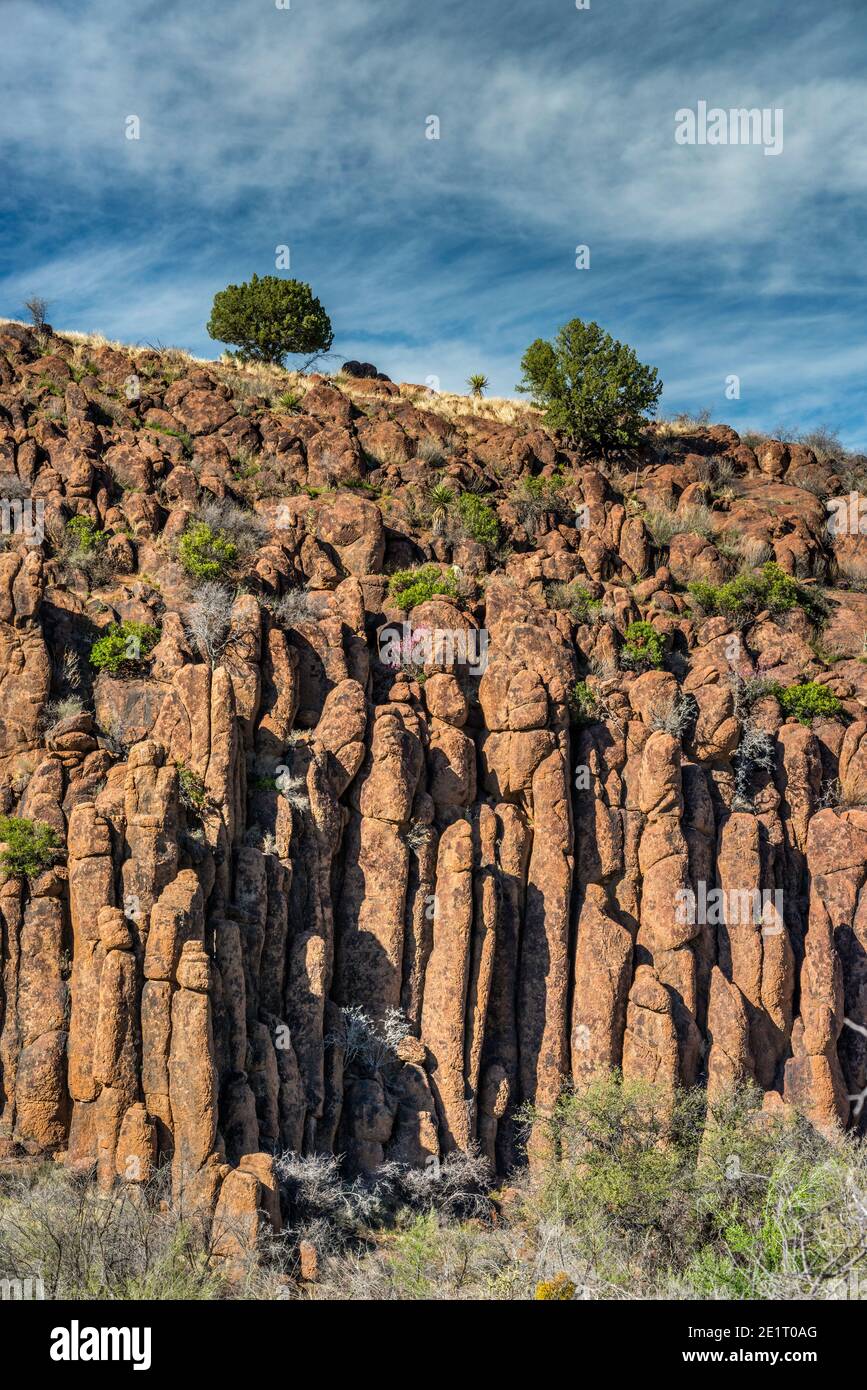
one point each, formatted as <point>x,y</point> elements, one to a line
<point>306,127</point>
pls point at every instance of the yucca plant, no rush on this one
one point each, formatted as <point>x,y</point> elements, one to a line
<point>440,499</point>
<point>478,384</point>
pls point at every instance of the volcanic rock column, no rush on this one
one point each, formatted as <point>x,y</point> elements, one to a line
<point>192,1069</point>
<point>117,1040</point>
<point>754,948</point>
<point>91,886</point>
<point>837,856</point>
<point>177,917</point>
<point>544,975</point>
<point>373,903</point>
<point>443,1017</point>
<point>499,1091</point>
<point>666,931</point>
<point>487,910</point>
<point>39,1015</point>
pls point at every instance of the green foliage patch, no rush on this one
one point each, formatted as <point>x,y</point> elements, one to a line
<point>123,646</point>
<point>591,387</point>
<point>30,846</point>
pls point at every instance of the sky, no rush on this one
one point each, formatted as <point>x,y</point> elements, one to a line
<point>307,126</point>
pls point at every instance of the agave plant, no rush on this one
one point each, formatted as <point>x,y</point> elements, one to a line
<point>440,499</point>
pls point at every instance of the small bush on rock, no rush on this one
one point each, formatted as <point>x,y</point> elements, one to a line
<point>208,623</point>
<point>744,597</point>
<point>583,705</point>
<point>665,523</point>
<point>644,646</point>
<point>84,551</point>
<point>535,498</point>
<point>291,608</point>
<point>29,846</point>
<point>673,715</point>
<point>85,533</point>
<point>438,504</point>
<point>808,701</point>
<point>58,711</point>
<point>369,1045</point>
<point>205,553</point>
<point>431,451</point>
<point>247,530</point>
<point>408,588</point>
<point>191,789</point>
<point>123,647</point>
<point>755,753</point>
<point>573,599</point>
<point>478,520</point>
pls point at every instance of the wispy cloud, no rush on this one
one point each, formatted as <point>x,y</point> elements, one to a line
<point>306,126</point>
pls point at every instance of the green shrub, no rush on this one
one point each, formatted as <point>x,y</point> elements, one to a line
<point>30,846</point>
<point>749,593</point>
<point>644,646</point>
<point>626,1169</point>
<point>205,553</point>
<point>808,701</point>
<point>268,318</point>
<point>728,1202</point>
<point>478,519</point>
<point>583,705</point>
<point>590,387</point>
<point>122,646</point>
<point>573,599</point>
<point>85,533</point>
<point>407,588</point>
<point>191,789</point>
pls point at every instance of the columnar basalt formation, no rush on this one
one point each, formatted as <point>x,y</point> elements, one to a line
<point>304,899</point>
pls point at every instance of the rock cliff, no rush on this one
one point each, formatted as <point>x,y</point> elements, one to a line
<point>308,894</point>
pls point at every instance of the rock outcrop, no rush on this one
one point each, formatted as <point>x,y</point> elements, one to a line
<point>305,897</point>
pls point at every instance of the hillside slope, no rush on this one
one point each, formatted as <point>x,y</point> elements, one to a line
<point>313,890</point>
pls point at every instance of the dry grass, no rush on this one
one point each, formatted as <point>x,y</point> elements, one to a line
<point>664,523</point>
<point>99,340</point>
<point>672,714</point>
<point>502,409</point>
<point>853,789</point>
<point>681,424</point>
<point>754,551</point>
<point>260,378</point>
